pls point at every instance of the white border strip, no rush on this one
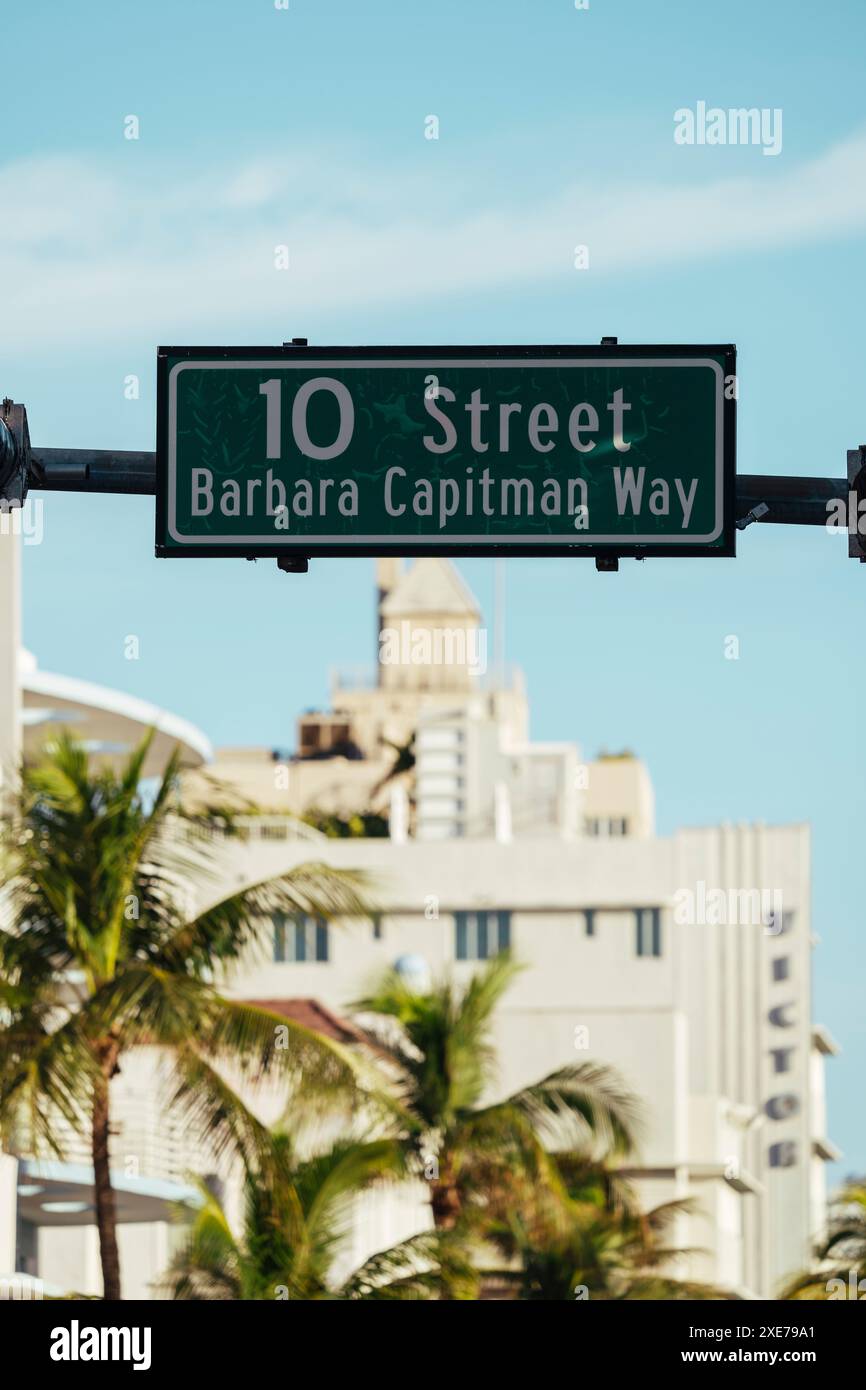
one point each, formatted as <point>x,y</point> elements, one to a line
<point>442,542</point>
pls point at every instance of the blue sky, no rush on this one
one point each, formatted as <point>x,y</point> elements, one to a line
<point>261,127</point>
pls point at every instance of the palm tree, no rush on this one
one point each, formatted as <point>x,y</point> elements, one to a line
<point>581,1234</point>
<point>841,1272</point>
<point>100,952</point>
<point>437,1050</point>
<point>297,1212</point>
<point>403,762</point>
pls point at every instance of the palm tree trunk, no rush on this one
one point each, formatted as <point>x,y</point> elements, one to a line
<point>445,1199</point>
<point>446,1206</point>
<point>106,1206</point>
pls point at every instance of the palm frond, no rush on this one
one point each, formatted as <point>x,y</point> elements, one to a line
<point>209,1264</point>
<point>233,924</point>
<point>216,1115</point>
<point>423,1267</point>
<point>582,1105</point>
<point>329,1181</point>
<point>45,1073</point>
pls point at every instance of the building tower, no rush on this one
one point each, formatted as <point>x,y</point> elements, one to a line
<point>429,634</point>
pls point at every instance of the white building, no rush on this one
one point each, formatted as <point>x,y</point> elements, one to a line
<point>683,961</point>
<point>46,1207</point>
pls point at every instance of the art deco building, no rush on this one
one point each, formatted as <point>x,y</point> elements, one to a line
<point>682,960</point>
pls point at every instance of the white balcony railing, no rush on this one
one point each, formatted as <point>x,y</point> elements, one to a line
<point>147,1140</point>
<point>246,828</point>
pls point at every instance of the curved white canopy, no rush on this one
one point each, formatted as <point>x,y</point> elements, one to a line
<point>109,722</point>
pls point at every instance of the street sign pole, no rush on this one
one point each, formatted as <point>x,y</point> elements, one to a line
<point>557,395</point>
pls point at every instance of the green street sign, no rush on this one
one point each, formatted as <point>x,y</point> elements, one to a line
<point>609,450</point>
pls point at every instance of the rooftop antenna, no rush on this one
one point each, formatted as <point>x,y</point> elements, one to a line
<point>388,571</point>
<point>499,621</point>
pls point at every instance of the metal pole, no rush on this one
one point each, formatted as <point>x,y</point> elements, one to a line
<point>94,470</point>
<point>790,500</point>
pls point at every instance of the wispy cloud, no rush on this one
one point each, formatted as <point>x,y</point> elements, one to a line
<point>91,253</point>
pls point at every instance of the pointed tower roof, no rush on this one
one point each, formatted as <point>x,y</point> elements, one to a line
<point>432,585</point>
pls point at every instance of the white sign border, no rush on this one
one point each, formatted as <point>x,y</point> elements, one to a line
<point>427,364</point>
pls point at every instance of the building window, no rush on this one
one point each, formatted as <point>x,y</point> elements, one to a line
<point>378,929</point>
<point>480,935</point>
<point>781,968</point>
<point>648,927</point>
<point>604,827</point>
<point>300,939</point>
<point>589,920</point>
